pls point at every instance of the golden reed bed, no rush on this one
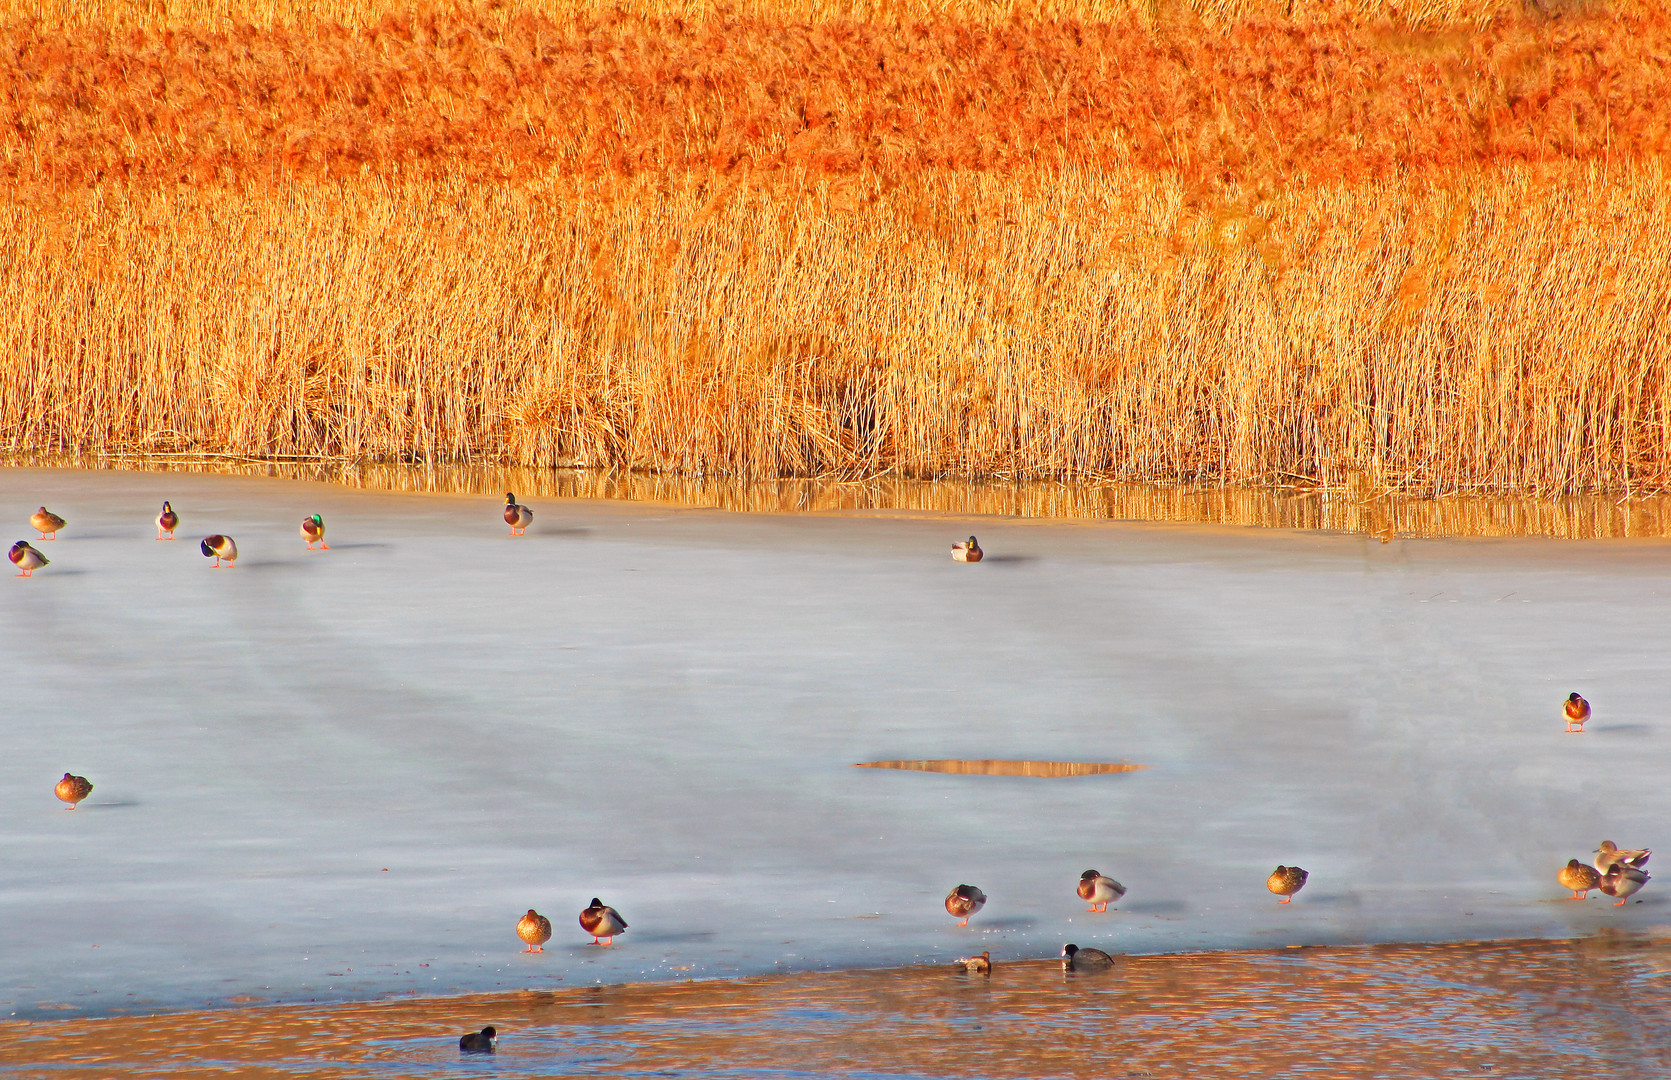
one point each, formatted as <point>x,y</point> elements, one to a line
<point>1347,246</point>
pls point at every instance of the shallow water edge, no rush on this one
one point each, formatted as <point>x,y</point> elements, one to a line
<point>1363,511</point>
<point>1506,1008</point>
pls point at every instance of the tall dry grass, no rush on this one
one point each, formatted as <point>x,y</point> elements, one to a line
<point>1507,330</point>
<point>1309,250</point>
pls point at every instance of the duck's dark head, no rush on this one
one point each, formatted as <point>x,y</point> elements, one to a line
<point>67,776</point>
<point>208,548</point>
<point>490,1031</point>
<point>1573,696</point>
<point>165,507</point>
<point>596,902</point>
<point>317,520</point>
<point>510,498</point>
<point>1087,875</point>
<point>1069,950</point>
<point>972,543</point>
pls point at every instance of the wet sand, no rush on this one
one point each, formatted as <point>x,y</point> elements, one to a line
<point>1596,1006</point>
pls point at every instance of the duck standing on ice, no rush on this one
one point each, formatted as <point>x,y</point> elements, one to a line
<point>47,522</point>
<point>602,921</point>
<point>26,559</point>
<point>963,902</point>
<point>313,531</point>
<point>1577,710</point>
<point>517,516</point>
<point>167,522</point>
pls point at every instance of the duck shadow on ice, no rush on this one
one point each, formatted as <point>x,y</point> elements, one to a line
<point>359,545</point>
<point>1018,922</point>
<point>1154,907</point>
<point>1010,560</point>
<point>1622,729</point>
<point>561,531</point>
<point>109,804</point>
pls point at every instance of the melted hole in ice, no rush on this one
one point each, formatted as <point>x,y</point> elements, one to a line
<point>995,767</point>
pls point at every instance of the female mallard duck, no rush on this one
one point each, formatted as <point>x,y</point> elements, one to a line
<point>967,551</point>
<point>219,547</point>
<point>1577,711</point>
<point>1579,878</point>
<point>1098,891</point>
<point>963,902</point>
<point>26,559</point>
<point>517,517</point>
<point>602,921</point>
<point>47,522</point>
<point>977,965</point>
<point>1609,853</point>
<point>1076,959</point>
<point>72,789</point>
<point>313,531</point>
<point>484,1041</point>
<point>1285,881</point>
<point>1623,881</point>
<point>535,929</point>
<point>167,522</point>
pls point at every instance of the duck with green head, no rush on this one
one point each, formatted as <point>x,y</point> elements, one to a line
<point>968,551</point>
<point>218,548</point>
<point>167,522</point>
<point>517,516</point>
<point>313,531</point>
<point>602,922</point>
<point>26,558</point>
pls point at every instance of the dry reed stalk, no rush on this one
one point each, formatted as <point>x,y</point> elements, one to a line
<point>468,95</point>
<point>227,14</point>
<point>1500,329</point>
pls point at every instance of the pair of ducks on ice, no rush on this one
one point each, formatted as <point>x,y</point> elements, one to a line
<point>1094,888</point>
<point>600,920</point>
<point>25,556</point>
<point>1617,872</point>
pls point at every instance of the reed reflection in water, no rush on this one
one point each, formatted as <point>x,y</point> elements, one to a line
<point>993,767</point>
<point>1360,510</point>
<point>1534,1009</point>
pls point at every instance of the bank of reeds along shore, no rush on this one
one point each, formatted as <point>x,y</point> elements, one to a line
<point>1250,282</point>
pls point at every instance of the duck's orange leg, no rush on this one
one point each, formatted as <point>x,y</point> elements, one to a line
<point>1285,899</point>
<point>1620,903</point>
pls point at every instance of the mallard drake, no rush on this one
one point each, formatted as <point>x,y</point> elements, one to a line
<point>47,522</point>
<point>313,531</point>
<point>1577,711</point>
<point>977,965</point>
<point>1609,853</point>
<point>517,517</point>
<point>1285,881</point>
<point>602,921</point>
<point>1623,881</point>
<point>72,789</point>
<point>167,522</point>
<point>219,547</point>
<point>1076,959</point>
<point>26,559</point>
<point>967,551</point>
<point>964,901</point>
<point>484,1041</point>
<point>1098,891</point>
<point>535,929</point>
<point>1579,878</point>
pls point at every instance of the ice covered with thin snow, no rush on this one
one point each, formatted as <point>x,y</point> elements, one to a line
<point>347,773</point>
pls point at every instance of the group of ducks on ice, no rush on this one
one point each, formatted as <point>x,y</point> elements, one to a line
<point>1617,871</point>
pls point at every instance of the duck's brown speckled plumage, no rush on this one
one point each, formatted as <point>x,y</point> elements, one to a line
<point>535,929</point>
<point>1579,878</point>
<point>46,522</point>
<point>1285,881</point>
<point>72,789</point>
<point>601,921</point>
<point>977,965</point>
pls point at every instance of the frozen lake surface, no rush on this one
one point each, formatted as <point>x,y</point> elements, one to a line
<point>341,774</point>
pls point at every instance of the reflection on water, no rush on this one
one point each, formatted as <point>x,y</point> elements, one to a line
<point>1599,1006</point>
<point>1358,511</point>
<point>990,767</point>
